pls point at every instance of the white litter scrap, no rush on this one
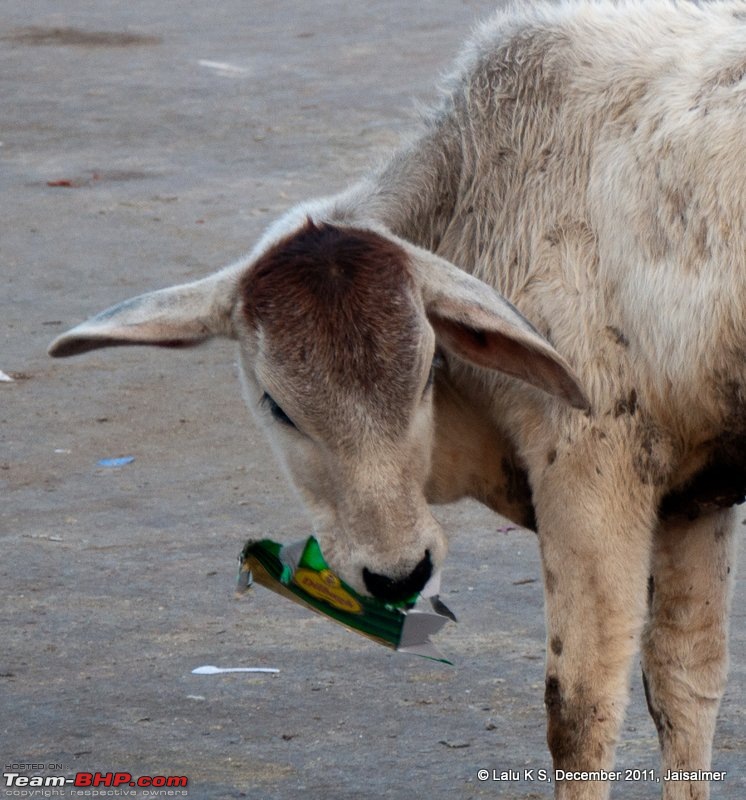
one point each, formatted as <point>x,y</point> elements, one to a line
<point>210,670</point>
<point>223,68</point>
<point>5,378</point>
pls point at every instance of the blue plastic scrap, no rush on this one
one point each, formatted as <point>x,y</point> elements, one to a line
<point>116,462</point>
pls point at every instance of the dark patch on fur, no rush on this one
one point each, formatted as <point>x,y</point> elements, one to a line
<point>617,336</point>
<point>551,457</point>
<point>550,581</point>
<point>552,237</point>
<point>564,731</point>
<point>518,489</point>
<point>660,719</point>
<point>556,645</point>
<point>571,719</point>
<point>651,590</point>
<point>649,461</point>
<point>626,405</point>
<point>678,199</point>
<point>701,235</point>
<point>495,498</point>
<point>544,158</point>
<point>720,484</point>
<point>552,694</point>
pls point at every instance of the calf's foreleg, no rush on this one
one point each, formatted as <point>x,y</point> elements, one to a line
<point>685,642</point>
<point>596,506</point>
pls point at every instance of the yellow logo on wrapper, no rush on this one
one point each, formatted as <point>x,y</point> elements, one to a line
<point>325,585</point>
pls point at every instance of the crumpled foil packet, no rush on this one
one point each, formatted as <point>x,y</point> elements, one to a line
<point>300,573</point>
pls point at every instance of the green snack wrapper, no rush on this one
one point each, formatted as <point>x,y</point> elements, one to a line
<point>300,573</point>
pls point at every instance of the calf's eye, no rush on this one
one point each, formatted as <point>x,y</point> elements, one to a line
<point>277,413</point>
<point>438,362</point>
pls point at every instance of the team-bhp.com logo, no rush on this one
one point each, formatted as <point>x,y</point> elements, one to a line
<point>94,780</point>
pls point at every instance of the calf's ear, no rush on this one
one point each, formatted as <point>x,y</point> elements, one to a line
<point>479,325</point>
<point>181,316</point>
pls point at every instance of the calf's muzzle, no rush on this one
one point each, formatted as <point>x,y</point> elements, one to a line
<point>394,590</point>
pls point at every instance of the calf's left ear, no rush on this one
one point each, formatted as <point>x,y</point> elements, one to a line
<point>182,316</point>
<point>479,325</point>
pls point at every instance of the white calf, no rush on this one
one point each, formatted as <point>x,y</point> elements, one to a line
<point>586,162</point>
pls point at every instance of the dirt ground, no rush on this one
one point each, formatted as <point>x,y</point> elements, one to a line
<point>144,144</point>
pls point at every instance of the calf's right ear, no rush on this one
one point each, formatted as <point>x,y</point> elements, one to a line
<point>181,316</point>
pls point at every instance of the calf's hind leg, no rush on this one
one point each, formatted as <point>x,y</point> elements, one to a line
<point>685,642</point>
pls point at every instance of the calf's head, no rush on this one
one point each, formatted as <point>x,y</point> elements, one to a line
<point>338,331</point>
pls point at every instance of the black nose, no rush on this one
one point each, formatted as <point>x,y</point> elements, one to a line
<point>392,590</point>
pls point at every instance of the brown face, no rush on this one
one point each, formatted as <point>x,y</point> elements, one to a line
<point>342,361</point>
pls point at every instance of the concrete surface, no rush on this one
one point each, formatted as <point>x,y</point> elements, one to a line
<point>175,131</point>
